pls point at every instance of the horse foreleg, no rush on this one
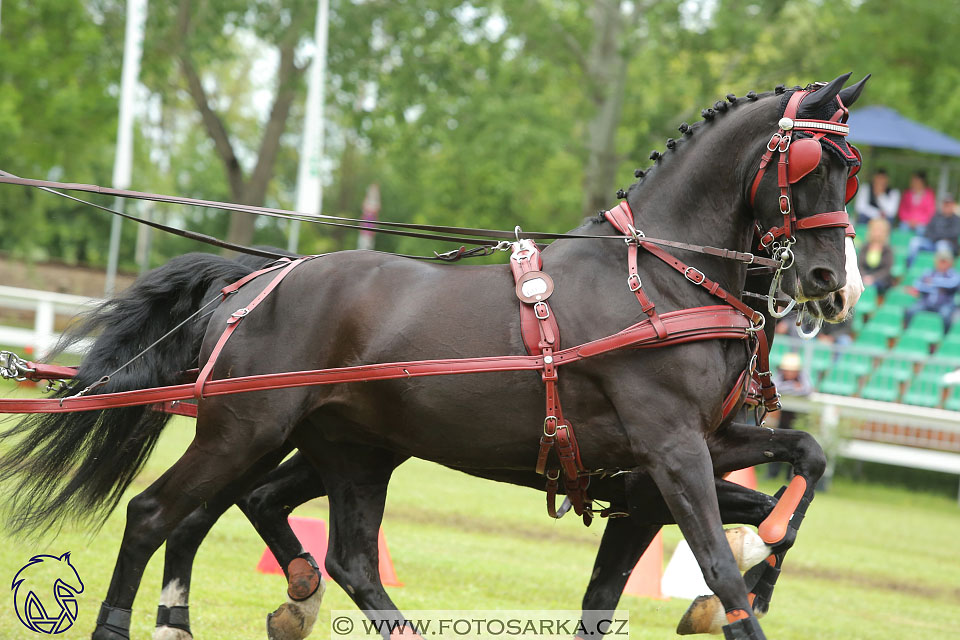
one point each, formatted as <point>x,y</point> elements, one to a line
<point>173,617</point>
<point>684,474</point>
<point>741,446</point>
<point>267,506</point>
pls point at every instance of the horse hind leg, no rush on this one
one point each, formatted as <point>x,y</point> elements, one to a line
<point>356,479</point>
<point>173,617</point>
<point>267,507</point>
<point>221,452</point>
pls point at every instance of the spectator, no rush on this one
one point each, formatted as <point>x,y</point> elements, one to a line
<point>918,204</point>
<point>937,288</point>
<point>876,258</point>
<point>941,234</point>
<point>879,201</point>
<point>790,381</point>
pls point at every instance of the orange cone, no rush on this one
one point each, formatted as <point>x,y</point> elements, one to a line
<point>644,581</point>
<point>744,477</point>
<point>312,533</point>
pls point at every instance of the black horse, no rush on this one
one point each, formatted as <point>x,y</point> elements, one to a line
<point>355,519</point>
<point>359,307</point>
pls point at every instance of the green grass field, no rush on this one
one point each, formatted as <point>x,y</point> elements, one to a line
<point>871,563</point>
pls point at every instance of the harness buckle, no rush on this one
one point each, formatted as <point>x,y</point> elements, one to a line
<point>784,143</point>
<point>239,313</point>
<point>767,239</point>
<point>546,420</point>
<point>633,282</point>
<point>774,142</point>
<point>784,204</point>
<point>537,310</point>
<point>692,273</point>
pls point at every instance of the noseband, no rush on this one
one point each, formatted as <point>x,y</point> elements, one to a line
<point>796,159</point>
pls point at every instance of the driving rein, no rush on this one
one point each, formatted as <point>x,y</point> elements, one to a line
<point>558,452</point>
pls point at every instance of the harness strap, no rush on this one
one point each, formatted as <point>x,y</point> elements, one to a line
<point>621,217</point>
<point>541,336</point>
<point>234,320</point>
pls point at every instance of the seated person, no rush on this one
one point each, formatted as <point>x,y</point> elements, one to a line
<point>937,289</point>
<point>917,205</point>
<point>875,258</point>
<point>879,201</point>
<point>942,233</point>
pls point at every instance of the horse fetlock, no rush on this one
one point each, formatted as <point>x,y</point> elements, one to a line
<point>748,548</point>
<point>704,615</point>
<point>294,620</point>
<point>171,633</point>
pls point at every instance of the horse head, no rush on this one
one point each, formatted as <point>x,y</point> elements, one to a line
<point>803,201</point>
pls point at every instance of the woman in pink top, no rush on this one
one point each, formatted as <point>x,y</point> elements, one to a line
<point>918,204</point>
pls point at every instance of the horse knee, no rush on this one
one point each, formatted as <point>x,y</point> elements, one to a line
<point>811,460</point>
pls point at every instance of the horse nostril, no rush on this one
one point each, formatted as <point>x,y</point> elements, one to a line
<point>826,278</point>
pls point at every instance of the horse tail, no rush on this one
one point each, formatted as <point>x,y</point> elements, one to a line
<point>78,464</point>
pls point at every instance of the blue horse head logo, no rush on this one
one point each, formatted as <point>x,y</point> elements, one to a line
<point>45,594</point>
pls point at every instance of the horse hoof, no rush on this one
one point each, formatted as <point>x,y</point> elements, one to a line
<point>704,615</point>
<point>294,620</point>
<point>748,548</point>
<point>171,633</point>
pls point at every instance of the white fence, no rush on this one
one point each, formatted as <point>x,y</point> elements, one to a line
<point>45,306</point>
<point>913,443</point>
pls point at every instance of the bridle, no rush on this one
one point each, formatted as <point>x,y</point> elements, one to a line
<point>796,158</point>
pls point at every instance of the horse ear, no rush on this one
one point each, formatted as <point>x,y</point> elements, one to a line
<point>824,94</point>
<point>65,557</point>
<point>850,94</point>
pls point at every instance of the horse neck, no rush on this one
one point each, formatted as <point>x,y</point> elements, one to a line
<point>697,193</point>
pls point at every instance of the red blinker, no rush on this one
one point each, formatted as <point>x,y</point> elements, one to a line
<point>804,158</point>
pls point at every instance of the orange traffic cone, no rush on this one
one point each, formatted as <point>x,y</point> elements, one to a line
<point>744,477</point>
<point>644,581</point>
<point>312,533</point>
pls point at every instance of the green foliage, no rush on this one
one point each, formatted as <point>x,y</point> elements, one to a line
<point>469,113</point>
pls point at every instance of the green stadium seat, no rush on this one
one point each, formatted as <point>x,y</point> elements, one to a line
<point>822,357</point>
<point>934,370</point>
<point>900,369</point>
<point>899,268</point>
<point>875,342</point>
<point>953,400</point>
<point>900,238</point>
<point>882,386</point>
<point>858,364</point>
<point>867,303</point>
<point>924,393</point>
<point>927,325</point>
<point>949,349</point>
<point>951,341</point>
<point>913,345</point>
<point>920,266</point>
<point>887,321</point>
<point>840,382</point>
<point>777,350</point>
<point>899,297</point>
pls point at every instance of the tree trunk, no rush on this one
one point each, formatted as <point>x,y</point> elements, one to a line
<point>606,68</point>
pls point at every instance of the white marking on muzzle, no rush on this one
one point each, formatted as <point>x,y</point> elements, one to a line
<point>852,291</point>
